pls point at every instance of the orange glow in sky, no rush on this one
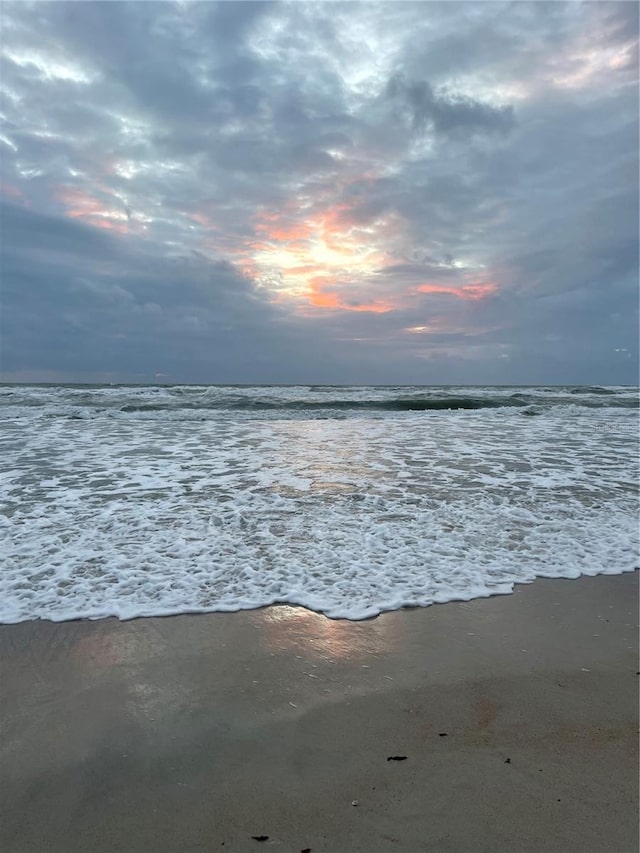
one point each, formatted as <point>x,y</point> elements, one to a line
<point>307,256</point>
<point>328,260</point>
<point>324,295</point>
<point>313,254</point>
<point>82,205</point>
<point>472,292</point>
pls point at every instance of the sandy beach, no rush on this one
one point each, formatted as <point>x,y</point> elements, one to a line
<point>515,718</point>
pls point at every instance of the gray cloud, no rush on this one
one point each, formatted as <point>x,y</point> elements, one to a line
<point>445,114</point>
<point>320,192</point>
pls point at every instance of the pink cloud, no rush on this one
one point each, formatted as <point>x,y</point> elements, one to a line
<point>471,292</point>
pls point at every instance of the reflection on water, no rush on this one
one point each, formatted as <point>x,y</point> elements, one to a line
<point>330,457</point>
<point>284,628</point>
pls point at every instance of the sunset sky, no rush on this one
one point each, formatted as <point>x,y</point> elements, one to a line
<point>319,192</point>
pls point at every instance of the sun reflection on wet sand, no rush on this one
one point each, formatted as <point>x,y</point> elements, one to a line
<point>283,628</point>
<point>127,651</point>
<point>117,643</point>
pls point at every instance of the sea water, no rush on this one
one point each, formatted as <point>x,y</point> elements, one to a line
<point>148,500</point>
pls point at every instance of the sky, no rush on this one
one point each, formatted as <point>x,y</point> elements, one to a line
<point>340,193</point>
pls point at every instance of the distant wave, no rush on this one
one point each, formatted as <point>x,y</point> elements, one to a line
<point>393,405</point>
<point>315,401</point>
<point>396,404</point>
<point>591,389</point>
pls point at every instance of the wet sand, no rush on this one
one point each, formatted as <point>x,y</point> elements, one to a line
<point>517,716</point>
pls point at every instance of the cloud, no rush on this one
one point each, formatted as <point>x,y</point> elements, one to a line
<point>445,185</point>
<point>444,113</point>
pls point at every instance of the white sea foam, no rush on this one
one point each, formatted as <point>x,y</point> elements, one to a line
<point>130,516</point>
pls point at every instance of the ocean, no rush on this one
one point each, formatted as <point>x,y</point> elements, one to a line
<point>152,500</point>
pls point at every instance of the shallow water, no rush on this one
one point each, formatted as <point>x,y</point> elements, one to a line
<point>155,500</point>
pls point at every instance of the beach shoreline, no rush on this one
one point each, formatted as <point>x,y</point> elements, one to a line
<point>515,718</point>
